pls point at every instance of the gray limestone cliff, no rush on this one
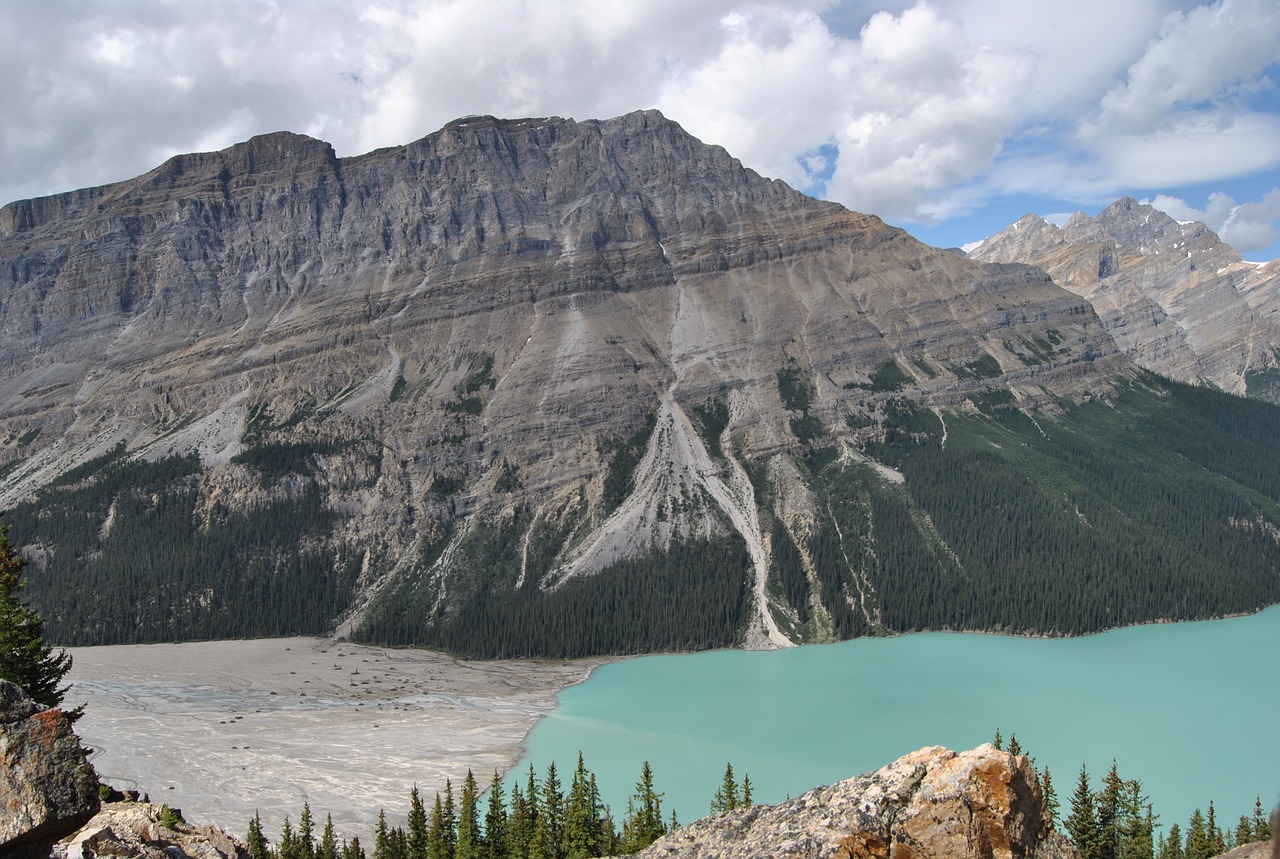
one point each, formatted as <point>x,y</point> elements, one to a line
<point>1175,297</point>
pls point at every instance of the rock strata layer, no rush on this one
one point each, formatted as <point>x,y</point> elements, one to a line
<point>47,786</point>
<point>1174,296</point>
<point>933,803</point>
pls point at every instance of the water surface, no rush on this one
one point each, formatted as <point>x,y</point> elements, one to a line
<point>1190,709</point>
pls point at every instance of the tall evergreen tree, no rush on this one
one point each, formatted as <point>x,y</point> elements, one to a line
<point>1261,821</point>
<point>519,830</point>
<point>643,824</point>
<point>1050,796</point>
<point>255,840</point>
<point>290,848</point>
<point>24,657</point>
<point>328,841</point>
<point>1082,823</point>
<point>549,828</point>
<point>352,849</point>
<point>381,845</point>
<point>726,798</point>
<point>416,836</point>
<point>581,829</point>
<point>306,833</point>
<point>468,844</point>
<point>1171,844</point>
<point>495,822</point>
<point>1199,844</point>
<point>747,800</point>
<point>439,840</point>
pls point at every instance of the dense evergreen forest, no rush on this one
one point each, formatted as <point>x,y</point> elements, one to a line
<point>542,819</point>
<point>1161,502</point>
<point>125,558</point>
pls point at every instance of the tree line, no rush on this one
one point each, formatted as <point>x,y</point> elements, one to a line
<point>540,820</point>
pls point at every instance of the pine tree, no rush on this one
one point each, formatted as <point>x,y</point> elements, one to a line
<point>1107,805</point>
<point>1082,823</point>
<point>746,801</point>
<point>289,846</point>
<point>24,657</point>
<point>352,849</point>
<point>581,831</point>
<point>1199,844</point>
<point>328,842</point>
<point>1216,842</point>
<point>549,828</point>
<point>1261,821</point>
<point>438,839</point>
<point>381,847</point>
<point>306,833</point>
<point>726,798</point>
<point>416,836</point>
<point>998,740</point>
<point>495,822</point>
<point>1050,797</point>
<point>468,844</point>
<point>1015,748</point>
<point>519,830</point>
<point>256,841</point>
<point>643,824</point>
<point>1171,844</point>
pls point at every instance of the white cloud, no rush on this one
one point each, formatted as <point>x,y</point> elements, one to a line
<point>1245,226</point>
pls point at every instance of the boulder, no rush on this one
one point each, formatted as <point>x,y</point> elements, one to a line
<point>48,789</point>
<point>984,804</point>
<point>140,830</point>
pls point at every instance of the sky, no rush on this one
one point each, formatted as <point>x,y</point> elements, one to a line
<point>950,118</point>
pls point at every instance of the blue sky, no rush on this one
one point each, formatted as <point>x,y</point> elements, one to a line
<point>951,119</point>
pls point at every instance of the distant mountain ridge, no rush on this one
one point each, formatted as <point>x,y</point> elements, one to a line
<point>552,387</point>
<point>1176,298</point>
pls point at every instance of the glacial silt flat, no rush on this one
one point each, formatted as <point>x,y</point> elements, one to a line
<point>221,729</point>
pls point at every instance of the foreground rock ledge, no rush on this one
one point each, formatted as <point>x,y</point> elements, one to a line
<point>984,803</point>
<point>48,789</point>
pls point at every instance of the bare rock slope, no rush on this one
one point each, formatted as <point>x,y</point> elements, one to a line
<point>984,803</point>
<point>1174,296</point>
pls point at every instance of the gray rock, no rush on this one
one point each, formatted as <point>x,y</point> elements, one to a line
<point>930,804</point>
<point>47,786</point>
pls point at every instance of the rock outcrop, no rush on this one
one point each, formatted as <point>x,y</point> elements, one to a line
<point>139,830</point>
<point>47,786</point>
<point>930,804</point>
<point>1174,296</point>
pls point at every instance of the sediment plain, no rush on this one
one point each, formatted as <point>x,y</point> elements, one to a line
<point>226,728</point>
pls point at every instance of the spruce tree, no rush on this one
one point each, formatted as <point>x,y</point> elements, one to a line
<point>519,831</point>
<point>416,837</point>
<point>1199,844</point>
<point>495,822</point>
<point>328,842</point>
<point>726,798</point>
<point>439,841</point>
<point>1171,844</point>
<point>549,828</point>
<point>746,801</point>
<point>381,845</point>
<point>256,841</point>
<point>24,657</point>
<point>1261,821</point>
<point>306,833</point>
<point>1050,797</point>
<point>643,824</point>
<point>1082,823</point>
<point>468,838</point>
<point>1015,748</point>
<point>1107,806</point>
<point>581,832</point>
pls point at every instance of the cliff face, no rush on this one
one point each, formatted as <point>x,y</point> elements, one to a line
<point>1175,297</point>
<point>429,394</point>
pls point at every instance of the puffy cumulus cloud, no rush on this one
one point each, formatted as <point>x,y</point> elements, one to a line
<point>1183,112</point>
<point>1245,226</point>
<point>908,108</point>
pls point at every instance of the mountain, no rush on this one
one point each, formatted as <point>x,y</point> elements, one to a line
<point>1176,298</point>
<point>554,387</point>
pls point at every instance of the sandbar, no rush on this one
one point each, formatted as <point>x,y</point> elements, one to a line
<point>224,729</point>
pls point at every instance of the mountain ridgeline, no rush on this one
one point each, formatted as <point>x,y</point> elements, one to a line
<point>545,387</point>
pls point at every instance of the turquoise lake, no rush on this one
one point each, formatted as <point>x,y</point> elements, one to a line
<point>1190,709</point>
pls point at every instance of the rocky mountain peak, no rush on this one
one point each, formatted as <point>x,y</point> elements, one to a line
<point>1174,296</point>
